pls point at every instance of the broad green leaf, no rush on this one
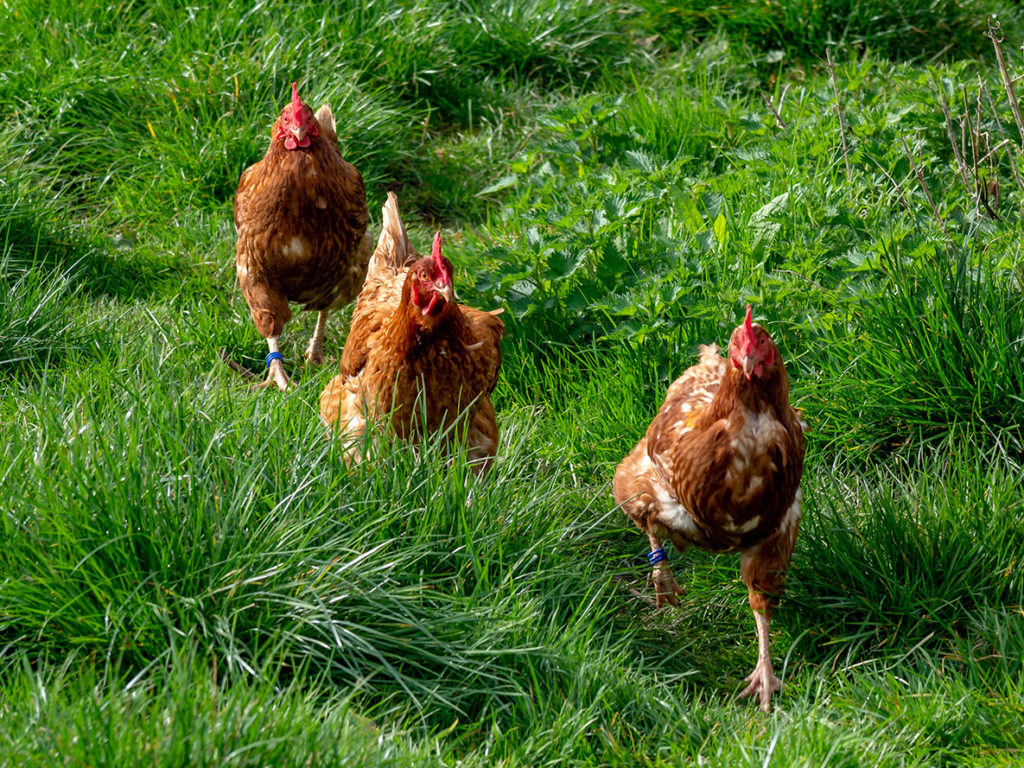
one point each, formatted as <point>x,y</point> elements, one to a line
<point>719,228</point>
<point>503,183</point>
<point>561,264</point>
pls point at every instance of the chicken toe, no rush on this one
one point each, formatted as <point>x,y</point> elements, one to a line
<point>665,587</point>
<point>276,377</point>
<point>763,682</point>
<point>275,363</point>
<point>314,353</point>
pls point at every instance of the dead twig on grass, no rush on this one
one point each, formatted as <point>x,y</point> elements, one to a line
<point>995,34</point>
<point>928,195</point>
<point>246,373</point>
<point>839,111</point>
<point>999,124</point>
<point>960,162</point>
<point>776,110</point>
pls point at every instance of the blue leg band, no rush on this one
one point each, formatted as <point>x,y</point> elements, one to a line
<point>657,556</point>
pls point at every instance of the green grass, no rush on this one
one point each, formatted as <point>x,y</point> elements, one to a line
<point>189,574</point>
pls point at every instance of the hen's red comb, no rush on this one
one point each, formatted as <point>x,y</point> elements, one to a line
<point>435,254</point>
<point>296,103</point>
<point>748,323</point>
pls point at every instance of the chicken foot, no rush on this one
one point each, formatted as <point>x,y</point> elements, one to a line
<point>315,350</point>
<point>275,374</point>
<point>665,587</point>
<point>762,680</point>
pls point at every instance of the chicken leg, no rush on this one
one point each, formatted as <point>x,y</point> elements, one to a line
<point>275,364</point>
<point>665,587</point>
<point>762,680</point>
<point>315,350</point>
<point>763,569</point>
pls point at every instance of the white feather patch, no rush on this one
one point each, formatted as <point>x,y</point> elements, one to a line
<point>792,516</point>
<point>294,247</point>
<point>747,527</point>
<point>671,513</point>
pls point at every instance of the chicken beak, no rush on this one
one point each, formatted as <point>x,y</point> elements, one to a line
<point>299,132</point>
<point>447,291</point>
<point>749,364</point>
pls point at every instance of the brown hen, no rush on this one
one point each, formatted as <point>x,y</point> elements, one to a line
<point>720,468</point>
<point>301,217</point>
<point>415,359</point>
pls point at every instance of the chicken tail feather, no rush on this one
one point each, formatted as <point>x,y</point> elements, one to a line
<point>328,127</point>
<point>393,246</point>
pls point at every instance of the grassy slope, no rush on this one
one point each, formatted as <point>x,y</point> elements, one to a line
<point>188,574</point>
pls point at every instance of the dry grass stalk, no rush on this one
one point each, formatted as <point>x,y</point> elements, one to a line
<point>999,124</point>
<point>957,153</point>
<point>771,107</point>
<point>927,194</point>
<point>995,34</point>
<point>839,111</point>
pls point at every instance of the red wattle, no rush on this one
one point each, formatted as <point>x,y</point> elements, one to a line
<point>429,309</point>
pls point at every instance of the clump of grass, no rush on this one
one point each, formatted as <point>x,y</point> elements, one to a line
<point>906,29</point>
<point>906,556</point>
<point>935,353</point>
<point>212,721</point>
<point>40,280</point>
<point>159,537</point>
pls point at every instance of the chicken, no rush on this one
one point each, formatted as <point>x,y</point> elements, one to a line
<point>414,358</point>
<point>301,217</point>
<point>719,468</point>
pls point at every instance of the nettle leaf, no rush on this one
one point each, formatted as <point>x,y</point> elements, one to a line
<point>545,170</point>
<point>599,220</point>
<point>669,294</point>
<point>763,229</point>
<point>764,236</point>
<point>561,264</point>
<point>511,272</point>
<point>566,147</point>
<point>520,298</point>
<point>524,288</point>
<point>613,260</point>
<point>754,122</point>
<point>503,183</point>
<point>620,207</point>
<point>706,241</point>
<point>615,304</point>
<point>712,203</point>
<point>775,206</point>
<point>641,161</point>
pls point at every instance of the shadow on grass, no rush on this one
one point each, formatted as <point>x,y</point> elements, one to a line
<point>33,239</point>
